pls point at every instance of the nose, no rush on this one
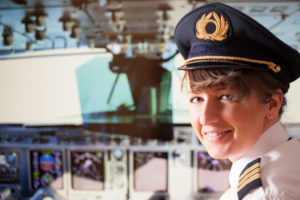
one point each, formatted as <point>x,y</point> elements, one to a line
<point>209,112</point>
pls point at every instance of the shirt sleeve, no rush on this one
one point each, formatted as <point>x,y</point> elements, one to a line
<point>257,194</point>
<point>267,194</point>
<point>230,194</point>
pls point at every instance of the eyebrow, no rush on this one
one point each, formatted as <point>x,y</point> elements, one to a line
<point>190,92</point>
<point>216,88</point>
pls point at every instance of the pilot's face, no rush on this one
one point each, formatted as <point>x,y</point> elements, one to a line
<point>225,125</point>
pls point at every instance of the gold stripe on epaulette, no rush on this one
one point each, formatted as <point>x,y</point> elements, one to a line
<point>257,170</point>
<point>257,176</point>
<point>271,65</point>
<point>248,170</point>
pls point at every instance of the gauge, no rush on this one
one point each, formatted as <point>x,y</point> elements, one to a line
<point>119,169</point>
<point>11,158</point>
<point>47,179</point>
<point>118,154</point>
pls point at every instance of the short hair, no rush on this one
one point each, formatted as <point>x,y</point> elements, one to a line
<point>244,80</point>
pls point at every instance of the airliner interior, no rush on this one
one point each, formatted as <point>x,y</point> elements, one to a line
<point>91,106</point>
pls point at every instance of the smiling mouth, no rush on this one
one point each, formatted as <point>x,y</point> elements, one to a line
<point>215,134</point>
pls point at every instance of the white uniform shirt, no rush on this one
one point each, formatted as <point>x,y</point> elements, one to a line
<point>280,167</point>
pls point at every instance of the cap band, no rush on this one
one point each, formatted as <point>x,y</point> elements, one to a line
<point>271,65</point>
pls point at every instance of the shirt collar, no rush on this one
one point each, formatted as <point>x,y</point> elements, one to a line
<point>272,137</point>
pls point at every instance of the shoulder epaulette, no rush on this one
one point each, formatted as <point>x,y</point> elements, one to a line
<point>249,178</point>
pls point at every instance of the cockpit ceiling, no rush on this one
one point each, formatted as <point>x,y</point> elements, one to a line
<point>145,26</point>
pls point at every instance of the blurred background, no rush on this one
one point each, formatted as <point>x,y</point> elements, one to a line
<point>91,106</point>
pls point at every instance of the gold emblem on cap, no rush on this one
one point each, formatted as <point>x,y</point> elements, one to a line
<point>220,23</point>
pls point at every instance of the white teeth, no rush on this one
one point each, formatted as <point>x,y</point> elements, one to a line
<point>213,134</point>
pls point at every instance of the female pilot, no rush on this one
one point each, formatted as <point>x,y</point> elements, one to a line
<point>237,74</point>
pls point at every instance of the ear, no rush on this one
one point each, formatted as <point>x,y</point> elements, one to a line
<point>274,104</point>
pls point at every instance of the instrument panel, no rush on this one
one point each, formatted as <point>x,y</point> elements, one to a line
<point>73,163</point>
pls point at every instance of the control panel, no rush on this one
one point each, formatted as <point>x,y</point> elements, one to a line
<point>78,164</point>
<point>10,177</point>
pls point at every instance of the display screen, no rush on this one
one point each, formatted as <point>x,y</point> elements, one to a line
<point>213,174</point>
<point>87,170</point>
<point>46,168</point>
<point>151,171</point>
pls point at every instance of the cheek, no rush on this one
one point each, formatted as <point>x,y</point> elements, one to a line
<point>248,119</point>
<point>195,122</point>
<point>240,115</point>
<point>194,116</point>
<point>194,113</point>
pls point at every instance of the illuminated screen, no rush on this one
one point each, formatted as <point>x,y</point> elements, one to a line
<point>213,174</point>
<point>87,170</point>
<point>150,171</point>
<point>46,168</point>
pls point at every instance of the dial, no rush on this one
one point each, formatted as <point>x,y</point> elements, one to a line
<point>11,158</point>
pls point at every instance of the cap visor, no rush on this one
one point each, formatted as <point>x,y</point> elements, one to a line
<point>183,67</point>
<point>200,65</point>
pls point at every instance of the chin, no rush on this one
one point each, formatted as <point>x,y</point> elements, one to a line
<point>216,155</point>
<point>219,157</point>
<point>221,152</point>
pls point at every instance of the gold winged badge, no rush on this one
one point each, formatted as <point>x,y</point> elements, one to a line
<point>221,27</point>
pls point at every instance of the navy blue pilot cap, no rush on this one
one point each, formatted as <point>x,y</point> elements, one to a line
<point>217,35</point>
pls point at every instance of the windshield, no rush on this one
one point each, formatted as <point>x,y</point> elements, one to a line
<point>84,86</point>
<point>90,86</point>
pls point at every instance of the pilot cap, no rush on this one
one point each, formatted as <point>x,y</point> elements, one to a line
<point>217,36</point>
